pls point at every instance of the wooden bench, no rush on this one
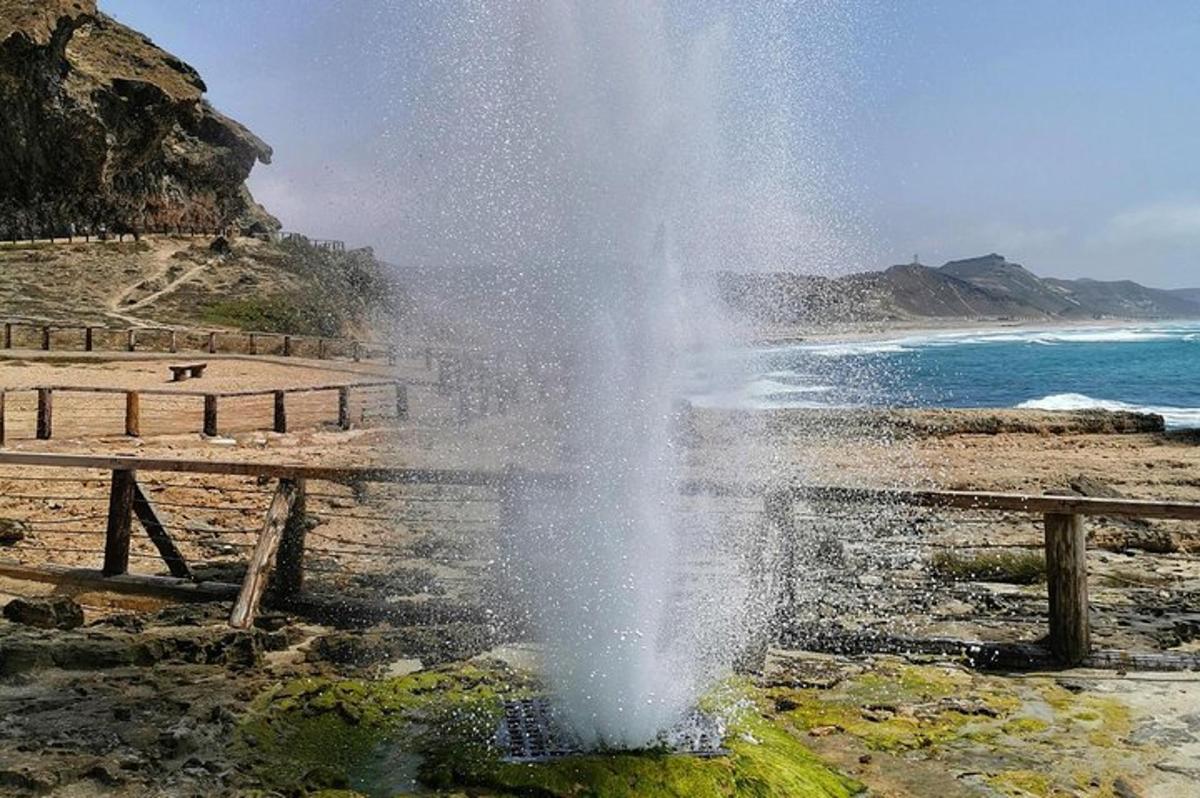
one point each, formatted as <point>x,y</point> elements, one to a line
<point>181,373</point>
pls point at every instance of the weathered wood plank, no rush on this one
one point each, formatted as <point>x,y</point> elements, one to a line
<point>280,420</point>
<point>343,408</point>
<point>978,500</point>
<point>134,584</point>
<point>220,394</point>
<point>401,401</point>
<point>148,515</point>
<point>349,474</point>
<point>289,561</point>
<point>210,415</point>
<point>45,413</point>
<point>120,509</point>
<point>133,414</point>
<point>973,500</point>
<point>1066,577</point>
<point>255,584</point>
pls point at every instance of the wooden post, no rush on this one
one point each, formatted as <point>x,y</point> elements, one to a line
<point>133,414</point>
<point>1066,577</point>
<point>259,567</point>
<point>46,338</point>
<point>357,351</point>
<point>116,537</point>
<point>45,413</point>
<point>344,407</point>
<point>320,349</point>
<point>8,335</point>
<point>174,342</point>
<point>280,412</point>
<point>2,418</point>
<point>253,344</point>
<point>289,561</point>
<point>210,415</point>
<point>287,346</point>
<point>391,355</point>
<point>131,340</point>
<point>401,401</point>
<point>87,339</point>
<point>212,343</point>
<point>428,358</point>
<point>152,522</point>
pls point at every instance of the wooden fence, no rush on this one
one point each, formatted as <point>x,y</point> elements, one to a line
<point>48,336</point>
<point>208,403</point>
<point>280,541</point>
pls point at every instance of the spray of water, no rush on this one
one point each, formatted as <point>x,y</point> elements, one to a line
<point>575,171</point>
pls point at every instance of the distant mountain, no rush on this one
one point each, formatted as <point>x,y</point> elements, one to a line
<point>1127,299</point>
<point>987,287</point>
<point>1188,295</point>
<point>1016,284</point>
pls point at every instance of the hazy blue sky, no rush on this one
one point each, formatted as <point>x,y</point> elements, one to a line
<point>1062,135</point>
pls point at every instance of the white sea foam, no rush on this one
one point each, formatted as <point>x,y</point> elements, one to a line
<point>763,394</point>
<point>1174,416</point>
<point>1042,336</point>
<point>856,348</point>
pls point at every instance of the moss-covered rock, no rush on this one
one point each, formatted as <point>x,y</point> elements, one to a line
<point>434,729</point>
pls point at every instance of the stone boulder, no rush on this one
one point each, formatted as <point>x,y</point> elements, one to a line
<point>52,612</point>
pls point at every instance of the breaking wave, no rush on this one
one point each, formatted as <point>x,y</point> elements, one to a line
<point>1173,416</point>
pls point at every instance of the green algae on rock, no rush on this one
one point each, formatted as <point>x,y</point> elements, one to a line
<point>1041,736</point>
<point>433,730</point>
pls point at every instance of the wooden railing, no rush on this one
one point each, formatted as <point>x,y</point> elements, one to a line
<point>281,541</point>
<point>211,399</point>
<point>97,337</point>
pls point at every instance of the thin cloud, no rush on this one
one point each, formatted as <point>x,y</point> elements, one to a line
<point>1165,223</point>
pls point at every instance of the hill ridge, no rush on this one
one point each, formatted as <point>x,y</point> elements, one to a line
<point>984,287</point>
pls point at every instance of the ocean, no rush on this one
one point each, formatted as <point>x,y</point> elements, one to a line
<point>1144,367</point>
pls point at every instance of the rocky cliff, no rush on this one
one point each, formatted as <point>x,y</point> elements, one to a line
<point>100,127</point>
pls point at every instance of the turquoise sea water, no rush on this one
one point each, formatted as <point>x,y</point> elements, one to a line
<point>1147,367</point>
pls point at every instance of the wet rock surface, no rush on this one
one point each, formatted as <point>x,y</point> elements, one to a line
<point>148,704</point>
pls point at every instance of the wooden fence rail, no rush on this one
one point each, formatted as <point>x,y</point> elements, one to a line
<point>211,399</point>
<point>93,337</point>
<point>281,540</point>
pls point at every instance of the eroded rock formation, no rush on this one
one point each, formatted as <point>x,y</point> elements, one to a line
<point>101,127</point>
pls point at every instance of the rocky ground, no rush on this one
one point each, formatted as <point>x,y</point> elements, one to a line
<point>145,699</point>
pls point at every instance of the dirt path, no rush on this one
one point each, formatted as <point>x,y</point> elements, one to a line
<point>162,261</point>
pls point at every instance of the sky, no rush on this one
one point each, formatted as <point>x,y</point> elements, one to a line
<point>1061,135</point>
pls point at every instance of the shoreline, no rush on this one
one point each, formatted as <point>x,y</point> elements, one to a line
<point>884,331</point>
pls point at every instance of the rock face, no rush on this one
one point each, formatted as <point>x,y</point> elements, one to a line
<point>100,127</point>
<point>52,612</point>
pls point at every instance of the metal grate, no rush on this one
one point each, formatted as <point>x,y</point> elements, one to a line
<point>530,732</point>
